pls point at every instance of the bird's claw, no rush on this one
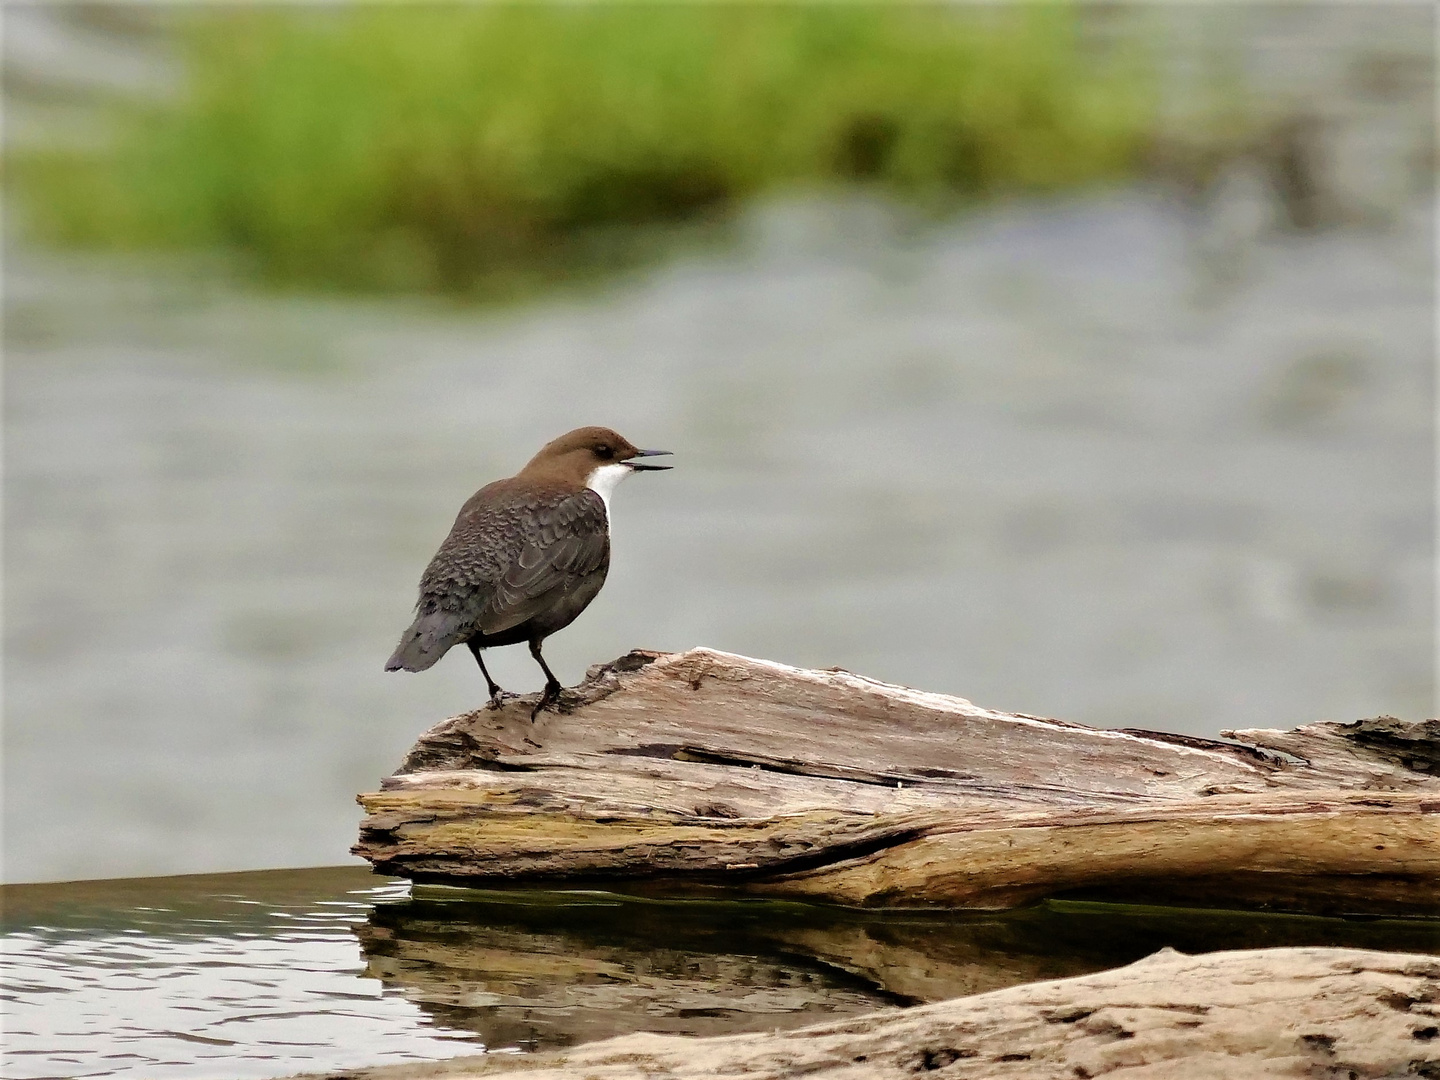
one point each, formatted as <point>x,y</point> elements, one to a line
<point>551,696</point>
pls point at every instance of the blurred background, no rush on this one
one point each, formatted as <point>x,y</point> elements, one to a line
<point>1074,359</point>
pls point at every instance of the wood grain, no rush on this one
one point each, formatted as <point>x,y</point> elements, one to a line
<point>673,771</point>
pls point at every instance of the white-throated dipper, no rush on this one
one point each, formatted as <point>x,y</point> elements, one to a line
<point>524,557</point>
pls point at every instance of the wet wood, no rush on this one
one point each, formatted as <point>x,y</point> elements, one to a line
<point>1255,1013</point>
<point>674,771</point>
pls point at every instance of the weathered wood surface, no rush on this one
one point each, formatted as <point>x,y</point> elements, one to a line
<point>1238,1015</point>
<point>702,767</point>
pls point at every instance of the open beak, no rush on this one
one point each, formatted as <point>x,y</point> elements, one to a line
<point>648,453</point>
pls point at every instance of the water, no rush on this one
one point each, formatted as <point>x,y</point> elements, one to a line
<point>239,975</point>
<point>268,973</point>
<point>1120,458</point>
<point>1014,459</point>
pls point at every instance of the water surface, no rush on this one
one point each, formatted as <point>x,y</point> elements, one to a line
<point>275,972</point>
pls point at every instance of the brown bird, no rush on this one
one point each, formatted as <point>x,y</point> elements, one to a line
<point>525,556</point>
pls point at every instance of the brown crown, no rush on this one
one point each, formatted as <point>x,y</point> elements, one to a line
<point>574,456</point>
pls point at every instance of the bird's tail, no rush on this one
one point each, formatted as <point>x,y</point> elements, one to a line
<point>430,637</point>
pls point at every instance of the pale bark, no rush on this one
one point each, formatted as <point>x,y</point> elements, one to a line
<point>669,771</point>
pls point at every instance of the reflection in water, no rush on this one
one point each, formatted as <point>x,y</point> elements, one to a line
<point>550,970</point>
<point>256,975</point>
<point>545,970</point>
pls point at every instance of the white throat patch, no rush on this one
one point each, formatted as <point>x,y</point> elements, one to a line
<point>604,480</point>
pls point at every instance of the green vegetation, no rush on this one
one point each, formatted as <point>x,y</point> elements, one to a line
<point>468,148</point>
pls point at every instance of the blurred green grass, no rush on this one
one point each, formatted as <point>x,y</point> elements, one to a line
<point>473,149</point>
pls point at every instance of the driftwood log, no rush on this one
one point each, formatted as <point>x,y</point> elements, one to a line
<point>1238,1015</point>
<point>675,771</point>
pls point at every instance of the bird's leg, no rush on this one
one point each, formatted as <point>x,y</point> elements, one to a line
<point>552,684</point>
<point>495,690</point>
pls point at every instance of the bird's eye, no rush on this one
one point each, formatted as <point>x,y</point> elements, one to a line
<point>604,451</point>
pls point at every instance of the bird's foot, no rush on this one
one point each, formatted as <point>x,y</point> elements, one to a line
<point>551,696</point>
<point>498,698</point>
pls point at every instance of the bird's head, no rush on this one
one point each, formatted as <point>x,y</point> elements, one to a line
<point>594,457</point>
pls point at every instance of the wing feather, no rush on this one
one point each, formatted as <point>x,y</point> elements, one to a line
<point>513,555</point>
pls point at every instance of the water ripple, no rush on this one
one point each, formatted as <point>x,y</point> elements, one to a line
<point>203,986</point>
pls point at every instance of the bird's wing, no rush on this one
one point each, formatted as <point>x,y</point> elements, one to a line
<point>565,544</point>
<point>510,558</point>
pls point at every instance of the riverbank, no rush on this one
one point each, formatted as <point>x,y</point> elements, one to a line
<point>490,153</point>
<point>480,151</point>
